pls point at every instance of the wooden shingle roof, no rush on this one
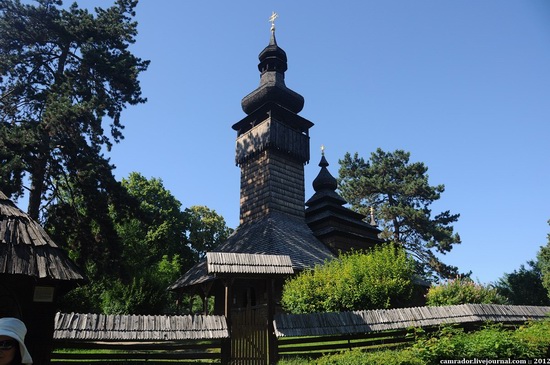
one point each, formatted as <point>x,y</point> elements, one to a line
<point>102,327</point>
<point>320,324</point>
<point>244,263</point>
<point>26,248</point>
<point>274,234</point>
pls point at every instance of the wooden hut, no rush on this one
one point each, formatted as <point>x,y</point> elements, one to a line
<point>34,273</point>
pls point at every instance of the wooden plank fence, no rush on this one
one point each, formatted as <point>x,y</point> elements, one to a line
<point>199,339</point>
<point>320,324</point>
<point>133,339</point>
<point>312,335</point>
<point>97,327</point>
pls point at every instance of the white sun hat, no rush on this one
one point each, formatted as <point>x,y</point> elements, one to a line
<point>14,328</point>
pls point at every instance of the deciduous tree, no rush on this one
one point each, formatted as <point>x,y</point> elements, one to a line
<point>463,291</point>
<point>524,286</point>
<point>400,194</point>
<point>205,229</point>
<point>156,242</point>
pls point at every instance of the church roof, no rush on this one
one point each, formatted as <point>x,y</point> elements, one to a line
<point>274,234</point>
<point>272,67</point>
<point>279,228</point>
<point>26,248</point>
<point>326,212</point>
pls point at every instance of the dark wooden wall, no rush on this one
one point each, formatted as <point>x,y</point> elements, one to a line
<point>270,182</point>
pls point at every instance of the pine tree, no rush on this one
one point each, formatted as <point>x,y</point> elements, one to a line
<point>65,75</point>
<point>400,194</point>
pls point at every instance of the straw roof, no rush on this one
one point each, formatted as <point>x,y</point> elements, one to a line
<point>26,248</point>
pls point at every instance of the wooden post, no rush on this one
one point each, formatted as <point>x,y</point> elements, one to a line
<point>206,293</point>
<point>226,346</point>
<point>273,355</point>
<point>191,299</point>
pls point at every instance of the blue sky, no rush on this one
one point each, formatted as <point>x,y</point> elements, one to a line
<point>464,86</point>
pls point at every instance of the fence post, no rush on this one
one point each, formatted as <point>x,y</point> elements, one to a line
<point>273,355</point>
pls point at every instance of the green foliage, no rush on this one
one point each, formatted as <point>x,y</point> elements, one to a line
<point>463,291</point>
<point>536,337</point>
<point>156,229</point>
<point>144,294</point>
<point>154,248</point>
<point>524,286</point>
<point>543,263</point>
<point>66,74</point>
<point>205,229</point>
<point>380,278</point>
<point>358,357</point>
<point>492,342</point>
<point>401,197</point>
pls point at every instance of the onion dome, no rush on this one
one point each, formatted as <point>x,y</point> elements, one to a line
<point>272,67</point>
<point>325,184</point>
<point>324,180</point>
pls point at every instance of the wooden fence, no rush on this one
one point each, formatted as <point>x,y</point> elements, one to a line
<point>136,353</point>
<point>132,339</point>
<point>312,335</point>
<point>199,339</point>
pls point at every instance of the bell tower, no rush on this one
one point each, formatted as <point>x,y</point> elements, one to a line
<point>272,142</point>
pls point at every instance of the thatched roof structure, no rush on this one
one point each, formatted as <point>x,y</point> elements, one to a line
<point>26,249</point>
<point>321,324</point>
<point>102,327</point>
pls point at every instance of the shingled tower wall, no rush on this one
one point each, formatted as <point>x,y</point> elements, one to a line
<point>270,182</point>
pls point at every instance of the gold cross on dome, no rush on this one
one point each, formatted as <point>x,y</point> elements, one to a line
<point>272,18</point>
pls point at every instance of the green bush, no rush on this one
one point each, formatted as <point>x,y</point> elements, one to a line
<point>380,278</point>
<point>492,342</point>
<point>358,357</point>
<point>536,337</point>
<point>463,291</point>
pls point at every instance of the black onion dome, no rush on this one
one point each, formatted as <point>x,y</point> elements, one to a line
<point>273,57</point>
<point>324,181</point>
<point>272,67</point>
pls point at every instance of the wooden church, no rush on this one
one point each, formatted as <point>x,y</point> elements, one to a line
<point>277,236</point>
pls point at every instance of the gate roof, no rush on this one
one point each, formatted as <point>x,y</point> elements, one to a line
<point>243,263</point>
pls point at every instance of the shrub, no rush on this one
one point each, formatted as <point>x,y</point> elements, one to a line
<point>358,357</point>
<point>536,338</point>
<point>380,278</point>
<point>463,291</point>
<point>492,342</point>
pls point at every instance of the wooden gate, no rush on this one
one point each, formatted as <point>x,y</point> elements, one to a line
<point>249,331</point>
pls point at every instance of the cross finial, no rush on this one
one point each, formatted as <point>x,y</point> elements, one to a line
<point>322,150</point>
<point>272,18</point>
<point>372,220</point>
